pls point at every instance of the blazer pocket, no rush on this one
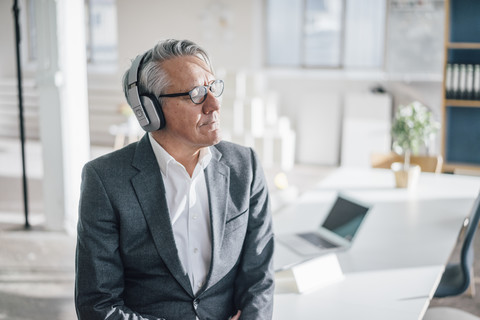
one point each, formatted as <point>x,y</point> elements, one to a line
<point>236,222</point>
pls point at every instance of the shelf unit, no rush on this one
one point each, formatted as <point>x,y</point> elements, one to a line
<point>461,105</point>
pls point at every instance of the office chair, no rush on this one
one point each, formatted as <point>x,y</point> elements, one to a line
<point>426,163</point>
<point>446,313</point>
<point>458,277</point>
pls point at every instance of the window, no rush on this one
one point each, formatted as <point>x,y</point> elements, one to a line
<point>100,31</point>
<point>31,31</point>
<point>323,26</point>
<point>325,33</point>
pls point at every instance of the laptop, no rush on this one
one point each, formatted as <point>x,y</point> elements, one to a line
<point>335,233</point>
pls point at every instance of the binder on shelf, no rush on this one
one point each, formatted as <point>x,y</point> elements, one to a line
<point>476,82</point>
<point>455,80</point>
<point>469,82</point>
<point>448,81</point>
<point>462,87</point>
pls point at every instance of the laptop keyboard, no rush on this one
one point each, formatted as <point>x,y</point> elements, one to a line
<point>317,240</point>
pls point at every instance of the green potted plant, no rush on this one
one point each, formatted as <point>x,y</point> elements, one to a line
<point>413,127</point>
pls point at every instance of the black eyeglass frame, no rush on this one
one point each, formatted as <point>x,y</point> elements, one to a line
<point>189,93</point>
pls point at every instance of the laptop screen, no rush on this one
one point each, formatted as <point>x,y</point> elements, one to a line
<point>345,218</point>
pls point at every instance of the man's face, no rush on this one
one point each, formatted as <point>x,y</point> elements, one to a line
<point>191,125</point>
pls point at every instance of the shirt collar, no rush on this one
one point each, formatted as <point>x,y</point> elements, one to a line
<point>164,158</point>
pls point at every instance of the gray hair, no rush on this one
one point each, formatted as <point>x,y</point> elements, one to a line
<point>152,77</point>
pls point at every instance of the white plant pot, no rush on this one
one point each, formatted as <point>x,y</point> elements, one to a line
<point>405,178</point>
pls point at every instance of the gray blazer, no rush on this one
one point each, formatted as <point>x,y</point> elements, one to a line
<point>127,266</point>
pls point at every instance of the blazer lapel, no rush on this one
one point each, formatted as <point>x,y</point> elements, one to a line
<point>150,190</point>
<point>217,176</point>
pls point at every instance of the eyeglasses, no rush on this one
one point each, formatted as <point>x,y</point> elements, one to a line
<point>199,94</point>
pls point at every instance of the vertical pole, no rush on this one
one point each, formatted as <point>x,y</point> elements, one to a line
<point>20,107</point>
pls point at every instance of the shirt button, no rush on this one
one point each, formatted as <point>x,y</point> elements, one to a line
<point>195,250</point>
<point>194,217</point>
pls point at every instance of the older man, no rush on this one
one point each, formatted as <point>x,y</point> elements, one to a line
<point>177,225</point>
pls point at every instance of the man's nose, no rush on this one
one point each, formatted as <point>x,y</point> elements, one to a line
<point>211,103</point>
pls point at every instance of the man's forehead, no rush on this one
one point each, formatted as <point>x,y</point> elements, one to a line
<point>186,72</point>
<point>187,62</point>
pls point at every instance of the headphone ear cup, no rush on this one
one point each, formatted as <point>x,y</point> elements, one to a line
<point>153,109</point>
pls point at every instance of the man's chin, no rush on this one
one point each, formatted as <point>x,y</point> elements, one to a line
<point>213,138</point>
<point>218,138</point>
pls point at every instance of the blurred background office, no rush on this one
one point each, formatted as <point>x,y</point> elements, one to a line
<point>310,84</point>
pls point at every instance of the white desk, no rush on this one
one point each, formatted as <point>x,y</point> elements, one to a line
<point>398,256</point>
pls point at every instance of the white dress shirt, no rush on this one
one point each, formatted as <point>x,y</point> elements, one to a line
<point>187,200</point>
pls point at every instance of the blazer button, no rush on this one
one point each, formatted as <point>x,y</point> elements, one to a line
<point>195,303</point>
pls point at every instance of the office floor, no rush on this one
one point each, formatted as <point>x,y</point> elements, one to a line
<point>37,266</point>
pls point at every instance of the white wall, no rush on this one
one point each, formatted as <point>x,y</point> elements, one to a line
<point>143,23</point>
